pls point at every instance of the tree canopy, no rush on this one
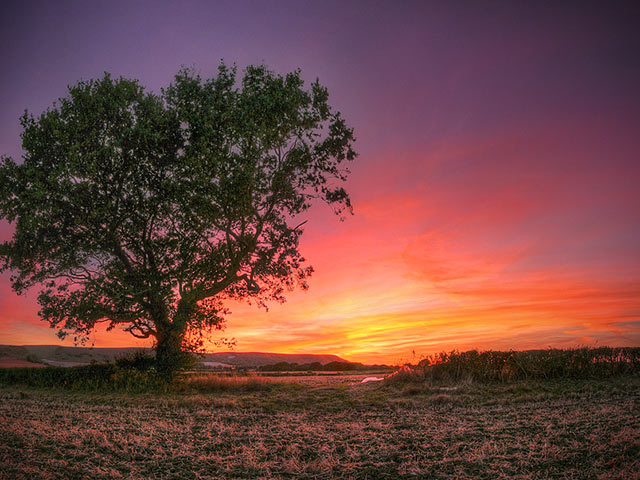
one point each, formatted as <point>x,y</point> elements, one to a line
<point>146,211</point>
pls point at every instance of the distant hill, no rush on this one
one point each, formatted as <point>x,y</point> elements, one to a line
<point>70,356</point>
<point>65,356</point>
<point>258,359</point>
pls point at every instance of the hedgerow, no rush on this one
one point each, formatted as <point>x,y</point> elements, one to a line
<point>500,366</point>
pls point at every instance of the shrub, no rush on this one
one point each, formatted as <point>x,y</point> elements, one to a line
<point>140,361</point>
<point>498,366</point>
<point>94,377</point>
<point>33,358</point>
<point>89,377</point>
<point>135,374</point>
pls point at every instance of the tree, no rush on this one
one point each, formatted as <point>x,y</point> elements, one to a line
<point>146,211</point>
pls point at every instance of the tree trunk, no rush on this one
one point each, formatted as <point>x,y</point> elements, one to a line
<point>169,354</point>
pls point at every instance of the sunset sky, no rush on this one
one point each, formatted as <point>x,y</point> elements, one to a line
<point>497,188</point>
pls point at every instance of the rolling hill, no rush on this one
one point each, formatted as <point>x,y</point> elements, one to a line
<point>70,356</point>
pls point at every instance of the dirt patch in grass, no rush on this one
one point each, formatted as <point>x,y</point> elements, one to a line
<point>546,430</point>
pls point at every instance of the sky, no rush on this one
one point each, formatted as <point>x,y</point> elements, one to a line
<point>495,194</point>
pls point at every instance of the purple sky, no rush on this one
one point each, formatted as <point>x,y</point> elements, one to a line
<point>498,159</point>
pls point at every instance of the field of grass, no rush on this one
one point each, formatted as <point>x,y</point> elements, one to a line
<point>245,429</point>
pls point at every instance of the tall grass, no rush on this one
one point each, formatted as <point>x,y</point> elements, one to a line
<point>499,366</point>
<point>222,383</point>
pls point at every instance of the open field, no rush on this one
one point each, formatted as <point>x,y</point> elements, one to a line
<point>8,362</point>
<point>327,428</point>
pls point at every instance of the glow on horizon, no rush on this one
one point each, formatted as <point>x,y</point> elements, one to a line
<point>389,289</point>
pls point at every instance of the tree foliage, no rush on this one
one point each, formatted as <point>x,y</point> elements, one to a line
<point>146,211</point>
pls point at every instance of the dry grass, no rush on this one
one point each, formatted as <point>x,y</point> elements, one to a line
<point>587,430</point>
<point>208,383</point>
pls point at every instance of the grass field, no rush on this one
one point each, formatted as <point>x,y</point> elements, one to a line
<point>588,429</point>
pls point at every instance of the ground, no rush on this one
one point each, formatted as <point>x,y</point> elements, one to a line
<point>333,429</point>
<point>9,362</point>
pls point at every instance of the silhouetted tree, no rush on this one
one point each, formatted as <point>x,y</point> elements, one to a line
<point>146,211</point>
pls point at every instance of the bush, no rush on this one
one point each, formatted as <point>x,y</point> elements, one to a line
<point>497,366</point>
<point>33,359</point>
<point>140,361</point>
<point>94,377</point>
<point>132,374</point>
<point>89,377</point>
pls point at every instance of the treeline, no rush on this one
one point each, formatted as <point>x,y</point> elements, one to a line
<point>318,367</point>
<point>499,366</point>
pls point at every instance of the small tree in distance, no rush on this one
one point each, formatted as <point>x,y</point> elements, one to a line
<point>146,211</point>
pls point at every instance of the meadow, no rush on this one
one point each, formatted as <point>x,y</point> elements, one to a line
<point>254,427</point>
